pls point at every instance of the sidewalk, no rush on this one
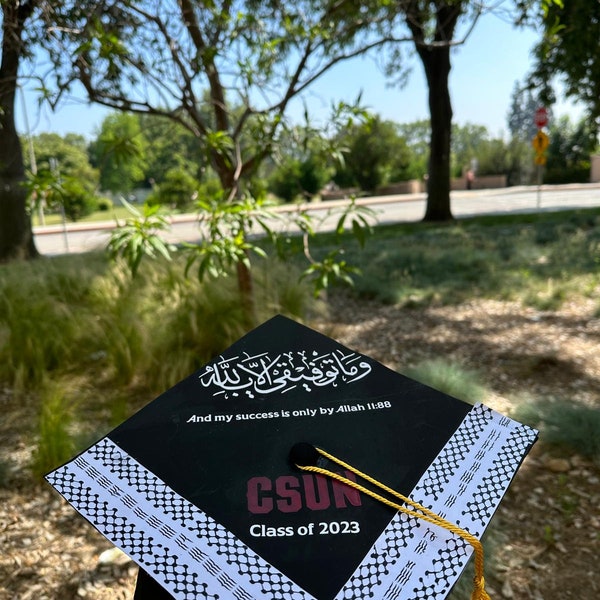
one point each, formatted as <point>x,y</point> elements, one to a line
<point>363,201</point>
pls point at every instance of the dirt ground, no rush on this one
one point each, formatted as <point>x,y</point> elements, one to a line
<point>546,534</point>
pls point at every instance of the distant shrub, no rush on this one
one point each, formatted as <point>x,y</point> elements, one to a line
<point>210,189</point>
<point>78,202</point>
<point>178,190</point>
<point>257,187</point>
<point>295,178</point>
<point>578,173</point>
<point>285,181</point>
<point>105,204</point>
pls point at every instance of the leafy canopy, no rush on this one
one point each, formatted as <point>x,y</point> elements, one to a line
<point>570,48</point>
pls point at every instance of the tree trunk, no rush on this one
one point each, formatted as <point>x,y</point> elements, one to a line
<point>245,283</point>
<point>16,237</point>
<point>432,25</point>
<point>436,62</point>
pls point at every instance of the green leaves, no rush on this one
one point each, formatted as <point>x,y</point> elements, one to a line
<point>225,227</point>
<point>120,152</point>
<point>44,185</point>
<point>234,231</point>
<point>331,268</point>
<point>360,218</point>
<point>568,49</point>
<point>219,142</point>
<point>139,237</point>
<point>548,4</point>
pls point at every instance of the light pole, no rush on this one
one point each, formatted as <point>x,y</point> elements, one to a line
<point>32,161</point>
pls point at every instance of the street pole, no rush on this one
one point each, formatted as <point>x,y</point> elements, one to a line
<point>539,187</point>
<point>32,161</point>
<point>540,143</point>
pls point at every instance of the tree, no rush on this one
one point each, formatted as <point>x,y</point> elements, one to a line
<point>64,176</point>
<point>244,62</point>
<point>178,189</point>
<point>522,128</point>
<point>417,135</point>
<point>248,58</point>
<point>569,151</point>
<point>119,153</point>
<point>569,48</point>
<point>433,26</point>
<point>302,162</point>
<point>492,157</point>
<point>16,237</point>
<point>285,180</point>
<point>70,154</point>
<point>474,149</point>
<point>521,114</point>
<point>467,142</point>
<point>375,154</point>
<point>169,146</point>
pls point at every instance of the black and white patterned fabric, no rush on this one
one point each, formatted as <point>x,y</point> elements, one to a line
<point>193,556</point>
<point>474,470</point>
<point>189,553</point>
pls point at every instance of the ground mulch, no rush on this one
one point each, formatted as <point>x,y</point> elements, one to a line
<point>545,537</point>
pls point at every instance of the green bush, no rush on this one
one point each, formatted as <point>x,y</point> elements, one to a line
<point>285,181</point>
<point>210,189</point>
<point>300,177</point>
<point>375,154</point>
<point>84,315</point>
<point>257,187</point>
<point>178,190</point>
<point>313,175</point>
<point>77,201</point>
<point>105,204</point>
<point>55,444</point>
<point>44,321</point>
<point>579,173</point>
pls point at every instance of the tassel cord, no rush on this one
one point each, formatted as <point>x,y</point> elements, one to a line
<point>417,511</point>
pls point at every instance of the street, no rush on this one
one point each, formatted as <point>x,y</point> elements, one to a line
<point>84,237</point>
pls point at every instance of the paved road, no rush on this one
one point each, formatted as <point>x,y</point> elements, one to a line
<point>390,209</point>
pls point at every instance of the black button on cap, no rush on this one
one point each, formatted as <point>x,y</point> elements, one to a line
<point>304,454</point>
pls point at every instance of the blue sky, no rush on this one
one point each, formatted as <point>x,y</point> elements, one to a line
<point>484,71</point>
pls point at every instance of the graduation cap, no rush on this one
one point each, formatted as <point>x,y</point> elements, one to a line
<point>234,484</point>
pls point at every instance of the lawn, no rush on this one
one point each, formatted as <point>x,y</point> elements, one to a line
<point>540,260</point>
<point>117,212</point>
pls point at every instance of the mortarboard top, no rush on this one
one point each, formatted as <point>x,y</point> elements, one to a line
<point>198,489</point>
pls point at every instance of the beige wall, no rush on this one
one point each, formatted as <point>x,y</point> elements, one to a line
<point>480,183</point>
<point>595,171</point>
<point>413,186</point>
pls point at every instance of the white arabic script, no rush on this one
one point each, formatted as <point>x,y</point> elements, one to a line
<point>263,374</point>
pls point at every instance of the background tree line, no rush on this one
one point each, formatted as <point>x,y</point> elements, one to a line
<point>165,164</point>
<point>164,58</point>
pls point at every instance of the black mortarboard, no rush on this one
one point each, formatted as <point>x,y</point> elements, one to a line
<point>199,490</point>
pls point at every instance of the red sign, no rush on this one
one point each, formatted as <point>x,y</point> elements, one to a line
<point>541,117</point>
